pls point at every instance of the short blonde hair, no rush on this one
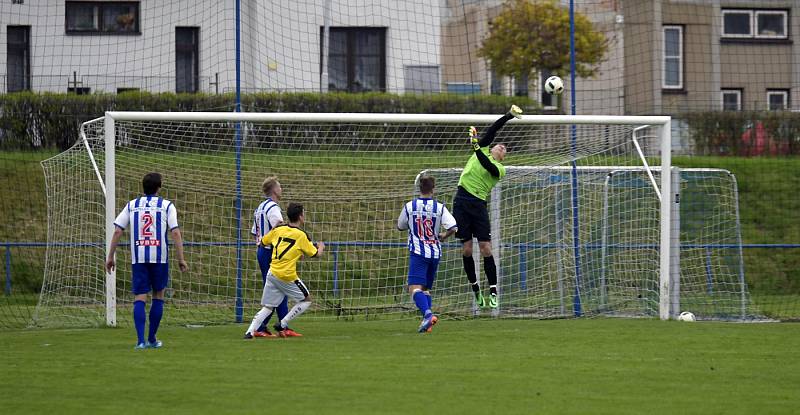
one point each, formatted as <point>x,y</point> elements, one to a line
<point>269,184</point>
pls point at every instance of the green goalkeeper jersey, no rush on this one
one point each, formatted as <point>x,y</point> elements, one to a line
<point>477,180</point>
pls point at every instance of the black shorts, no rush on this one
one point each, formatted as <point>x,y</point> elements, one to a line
<point>472,217</point>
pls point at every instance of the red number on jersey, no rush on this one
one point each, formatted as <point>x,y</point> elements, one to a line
<point>147,222</point>
<point>424,227</point>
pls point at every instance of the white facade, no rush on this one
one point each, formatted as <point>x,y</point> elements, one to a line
<point>280,43</point>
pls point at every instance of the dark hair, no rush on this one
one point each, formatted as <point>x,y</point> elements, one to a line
<point>426,184</point>
<point>294,211</point>
<point>151,183</point>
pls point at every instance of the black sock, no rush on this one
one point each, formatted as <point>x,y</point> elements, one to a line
<point>469,268</point>
<point>491,273</point>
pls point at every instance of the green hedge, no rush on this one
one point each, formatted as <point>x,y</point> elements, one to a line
<point>48,120</point>
<point>736,133</point>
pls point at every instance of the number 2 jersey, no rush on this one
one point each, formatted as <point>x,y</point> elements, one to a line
<point>423,217</point>
<point>150,219</point>
<point>289,244</point>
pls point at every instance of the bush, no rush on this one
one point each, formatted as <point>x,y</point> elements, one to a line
<point>49,120</point>
<point>730,133</point>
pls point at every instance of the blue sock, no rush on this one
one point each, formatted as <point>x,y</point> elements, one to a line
<point>156,311</point>
<point>422,303</point>
<point>139,318</point>
<point>283,308</point>
<point>263,326</point>
<point>430,302</point>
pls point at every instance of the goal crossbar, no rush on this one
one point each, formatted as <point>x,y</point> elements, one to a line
<point>381,117</point>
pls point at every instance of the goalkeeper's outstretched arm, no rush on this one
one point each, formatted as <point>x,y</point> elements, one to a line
<point>488,137</point>
<point>486,163</point>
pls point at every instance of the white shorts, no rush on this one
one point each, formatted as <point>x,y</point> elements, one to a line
<point>275,289</point>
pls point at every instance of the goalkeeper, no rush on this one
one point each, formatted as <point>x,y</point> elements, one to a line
<point>480,175</point>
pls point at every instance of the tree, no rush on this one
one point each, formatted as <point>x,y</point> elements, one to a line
<point>531,35</point>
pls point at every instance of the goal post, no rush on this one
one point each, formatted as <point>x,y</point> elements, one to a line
<point>353,172</point>
<point>110,215</point>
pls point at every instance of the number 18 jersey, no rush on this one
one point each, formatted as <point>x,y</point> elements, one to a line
<point>150,217</point>
<point>423,217</point>
<point>289,244</point>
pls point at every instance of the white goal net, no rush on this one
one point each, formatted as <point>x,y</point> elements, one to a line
<point>577,222</point>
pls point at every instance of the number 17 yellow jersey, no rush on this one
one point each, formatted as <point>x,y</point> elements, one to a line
<point>289,244</point>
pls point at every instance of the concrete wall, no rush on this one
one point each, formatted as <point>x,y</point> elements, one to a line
<point>283,49</point>
<point>107,62</point>
<point>641,65</point>
<point>711,62</point>
<point>280,43</point>
<point>698,87</point>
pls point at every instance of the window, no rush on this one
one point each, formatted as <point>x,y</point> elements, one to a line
<point>521,86</point>
<point>731,99</point>
<point>777,99</point>
<point>421,79</point>
<point>463,88</point>
<point>672,68</point>
<point>547,99</point>
<point>356,59</point>
<point>102,17</point>
<point>771,24</point>
<point>187,50</point>
<point>755,24</point>
<point>18,63</point>
<point>737,23</point>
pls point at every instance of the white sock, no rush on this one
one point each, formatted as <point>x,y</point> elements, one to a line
<point>298,309</point>
<point>259,318</point>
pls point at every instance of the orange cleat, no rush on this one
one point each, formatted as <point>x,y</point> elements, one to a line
<point>434,320</point>
<point>264,333</point>
<point>287,332</point>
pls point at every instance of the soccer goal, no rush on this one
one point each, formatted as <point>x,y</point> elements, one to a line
<point>618,241</point>
<point>574,237</point>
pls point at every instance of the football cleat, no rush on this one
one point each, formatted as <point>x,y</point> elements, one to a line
<point>140,346</point>
<point>493,300</point>
<point>265,333</point>
<point>479,300</point>
<point>279,330</point>
<point>427,322</point>
<point>515,111</point>
<point>154,345</point>
<point>434,320</point>
<point>287,332</point>
<point>248,336</point>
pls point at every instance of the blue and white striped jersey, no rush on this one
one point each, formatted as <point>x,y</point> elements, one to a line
<point>423,218</point>
<point>151,218</point>
<point>267,216</point>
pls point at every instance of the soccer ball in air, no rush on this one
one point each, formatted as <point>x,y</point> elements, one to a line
<point>686,316</point>
<point>554,85</point>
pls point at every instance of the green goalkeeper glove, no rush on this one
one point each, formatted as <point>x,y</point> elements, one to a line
<point>473,138</point>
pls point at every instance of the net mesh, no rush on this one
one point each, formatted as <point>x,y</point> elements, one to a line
<point>566,243</point>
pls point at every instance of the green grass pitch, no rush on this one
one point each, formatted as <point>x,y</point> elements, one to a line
<point>591,366</point>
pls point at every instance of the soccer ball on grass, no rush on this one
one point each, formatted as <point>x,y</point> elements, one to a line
<point>554,85</point>
<point>686,316</point>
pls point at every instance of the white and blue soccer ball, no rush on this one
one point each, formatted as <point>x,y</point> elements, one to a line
<point>554,85</point>
<point>686,316</point>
